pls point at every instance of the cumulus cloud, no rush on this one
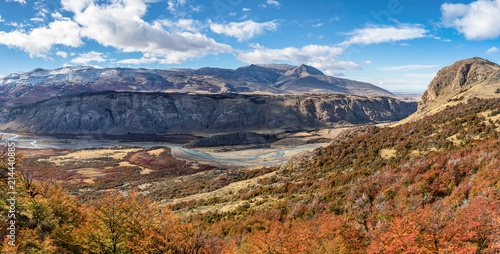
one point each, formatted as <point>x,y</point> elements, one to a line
<point>476,21</point>
<point>407,67</point>
<point>88,57</point>
<point>243,30</point>
<point>246,9</point>
<point>379,34</point>
<point>318,56</point>
<point>492,50</point>
<point>120,25</point>
<point>1,19</point>
<point>39,41</point>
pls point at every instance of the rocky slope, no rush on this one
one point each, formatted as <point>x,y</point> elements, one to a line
<point>453,79</point>
<point>117,113</point>
<point>39,84</point>
<point>463,80</point>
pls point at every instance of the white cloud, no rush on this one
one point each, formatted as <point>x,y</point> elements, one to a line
<point>62,54</point>
<point>1,19</point>
<point>182,25</point>
<point>120,25</point>
<point>174,5</point>
<point>273,3</point>
<point>367,62</point>
<point>321,57</point>
<point>492,50</point>
<point>476,21</point>
<point>318,25</point>
<point>246,9</point>
<point>270,3</point>
<point>243,30</point>
<point>88,57</point>
<point>181,7</point>
<point>407,67</point>
<point>17,25</point>
<point>37,19</point>
<point>19,1</point>
<point>57,16</point>
<point>379,34</point>
<point>39,41</point>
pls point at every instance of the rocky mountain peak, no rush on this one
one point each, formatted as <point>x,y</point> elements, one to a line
<point>303,71</point>
<point>458,76</point>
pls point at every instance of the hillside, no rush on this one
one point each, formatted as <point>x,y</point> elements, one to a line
<point>377,190</point>
<point>118,113</point>
<point>459,82</point>
<point>431,185</point>
<point>39,84</point>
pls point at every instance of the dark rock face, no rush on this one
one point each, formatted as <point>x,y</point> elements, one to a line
<point>452,79</point>
<point>118,113</point>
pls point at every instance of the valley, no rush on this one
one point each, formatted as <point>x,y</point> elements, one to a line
<point>357,174</point>
<point>274,153</point>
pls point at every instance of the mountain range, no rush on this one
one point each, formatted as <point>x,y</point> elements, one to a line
<point>40,84</point>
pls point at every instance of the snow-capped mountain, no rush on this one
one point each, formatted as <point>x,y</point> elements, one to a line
<point>39,84</point>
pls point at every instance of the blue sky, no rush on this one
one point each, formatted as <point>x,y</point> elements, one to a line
<point>396,44</point>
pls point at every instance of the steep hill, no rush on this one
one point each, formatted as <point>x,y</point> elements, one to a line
<point>117,113</point>
<point>40,84</point>
<point>463,80</point>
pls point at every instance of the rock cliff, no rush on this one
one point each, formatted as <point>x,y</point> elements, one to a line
<point>454,78</point>
<point>118,113</point>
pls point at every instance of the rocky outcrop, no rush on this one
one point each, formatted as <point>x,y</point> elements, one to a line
<point>118,113</point>
<point>452,79</point>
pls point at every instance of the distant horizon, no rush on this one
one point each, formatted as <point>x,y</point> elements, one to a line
<point>398,45</point>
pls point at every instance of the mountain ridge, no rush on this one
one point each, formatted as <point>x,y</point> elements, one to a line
<point>118,113</point>
<point>39,84</point>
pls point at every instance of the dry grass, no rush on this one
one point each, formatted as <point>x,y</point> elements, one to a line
<point>224,191</point>
<point>454,140</point>
<point>144,171</point>
<point>88,155</point>
<point>90,173</point>
<point>156,152</point>
<point>387,153</point>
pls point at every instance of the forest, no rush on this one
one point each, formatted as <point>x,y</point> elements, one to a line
<point>429,186</point>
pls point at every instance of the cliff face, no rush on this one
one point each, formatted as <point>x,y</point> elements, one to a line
<point>117,113</point>
<point>457,83</point>
<point>452,79</point>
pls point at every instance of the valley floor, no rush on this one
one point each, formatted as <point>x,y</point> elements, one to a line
<point>273,154</point>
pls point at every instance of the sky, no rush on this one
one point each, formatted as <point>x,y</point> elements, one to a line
<point>398,45</point>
